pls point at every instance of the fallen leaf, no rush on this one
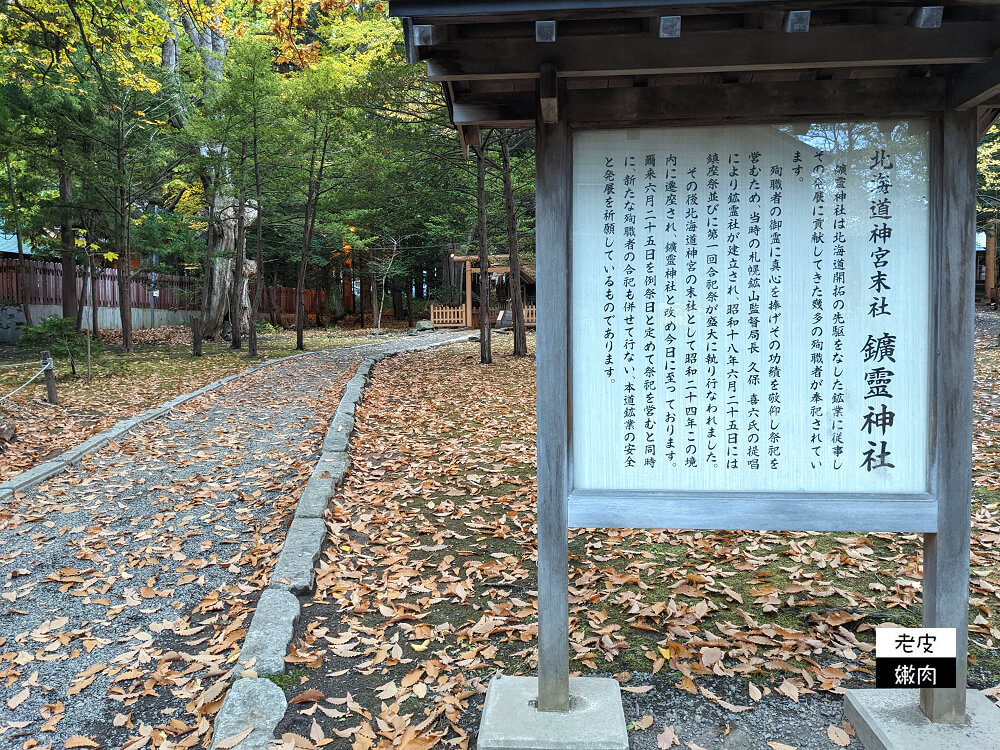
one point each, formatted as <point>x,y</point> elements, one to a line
<point>779,746</point>
<point>838,736</point>
<point>78,740</point>
<point>755,693</point>
<point>308,696</point>
<point>667,739</point>
<point>18,699</point>
<point>231,742</point>
<point>789,689</point>
<point>644,723</point>
<point>637,688</point>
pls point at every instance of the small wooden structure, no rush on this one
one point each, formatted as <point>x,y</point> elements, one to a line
<point>467,316</point>
<point>565,66</point>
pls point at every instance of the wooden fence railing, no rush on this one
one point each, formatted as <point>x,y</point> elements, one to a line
<point>453,316</point>
<point>447,316</point>
<point>43,284</point>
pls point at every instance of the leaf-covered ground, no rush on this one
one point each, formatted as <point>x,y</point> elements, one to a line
<point>127,584</point>
<point>124,385</point>
<point>426,587</point>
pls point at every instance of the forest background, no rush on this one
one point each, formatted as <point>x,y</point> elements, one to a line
<point>245,140</point>
<point>237,140</point>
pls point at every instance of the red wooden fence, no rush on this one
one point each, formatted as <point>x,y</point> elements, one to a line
<point>43,283</point>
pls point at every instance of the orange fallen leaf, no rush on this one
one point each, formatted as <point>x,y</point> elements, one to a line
<point>308,696</point>
<point>78,740</point>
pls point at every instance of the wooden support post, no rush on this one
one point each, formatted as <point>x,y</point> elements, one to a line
<point>946,553</point>
<point>50,380</point>
<point>554,162</point>
<point>468,294</point>
<point>991,262</point>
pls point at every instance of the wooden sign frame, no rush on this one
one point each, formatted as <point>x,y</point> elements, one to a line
<point>943,514</point>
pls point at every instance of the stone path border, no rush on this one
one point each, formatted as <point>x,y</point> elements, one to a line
<point>72,457</point>
<point>255,704</point>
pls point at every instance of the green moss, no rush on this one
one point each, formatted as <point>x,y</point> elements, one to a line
<point>289,680</point>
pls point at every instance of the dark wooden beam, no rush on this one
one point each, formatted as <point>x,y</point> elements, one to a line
<point>506,9</point>
<point>975,84</point>
<point>714,103</point>
<point>986,116</point>
<point>514,110</point>
<point>755,102</point>
<point>722,51</point>
<point>548,94</point>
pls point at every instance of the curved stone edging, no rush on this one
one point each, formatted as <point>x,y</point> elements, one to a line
<point>72,457</point>
<point>258,704</point>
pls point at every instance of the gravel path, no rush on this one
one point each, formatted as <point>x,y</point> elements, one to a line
<point>128,582</point>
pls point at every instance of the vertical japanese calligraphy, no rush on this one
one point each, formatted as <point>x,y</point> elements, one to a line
<point>744,302</point>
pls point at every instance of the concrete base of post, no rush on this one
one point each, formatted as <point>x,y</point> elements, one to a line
<point>512,721</point>
<point>892,720</point>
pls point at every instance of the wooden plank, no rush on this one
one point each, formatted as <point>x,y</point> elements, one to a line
<point>747,102</point>
<point>836,46</point>
<point>754,102</point>
<point>732,510</point>
<point>946,553</point>
<point>554,184</point>
<point>975,84</point>
<point>501,110</point>
<point>548,99</point>
<point>505,10</point>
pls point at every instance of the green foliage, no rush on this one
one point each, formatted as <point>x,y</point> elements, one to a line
<point>264,328</point>
<point>59,337</point>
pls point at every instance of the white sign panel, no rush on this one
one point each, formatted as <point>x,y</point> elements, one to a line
<point>750,309</point>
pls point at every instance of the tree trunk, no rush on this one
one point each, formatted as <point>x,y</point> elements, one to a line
<point>991,262</point>
<point>95,302</point>
<point>198,321</point>
<point>397,300</point>
<point>361,297</point>
<point>124,258</point>
<point>80,303</point>
<point>485,330</point>
<point>409,303</point>
<point>274,313</point>
<point>68,244</point>
<point>22,291</point>
<point>516,303</point>
<point>236,309</point>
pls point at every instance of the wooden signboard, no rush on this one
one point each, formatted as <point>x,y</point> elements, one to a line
<point>750,328</point>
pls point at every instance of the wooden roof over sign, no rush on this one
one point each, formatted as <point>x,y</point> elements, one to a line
<point>604,63</point>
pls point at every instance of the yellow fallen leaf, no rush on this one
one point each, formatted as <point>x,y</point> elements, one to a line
<point>420,647</point>
<point>664,652</point>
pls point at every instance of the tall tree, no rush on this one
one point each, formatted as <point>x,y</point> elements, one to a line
<point>485,324</point>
